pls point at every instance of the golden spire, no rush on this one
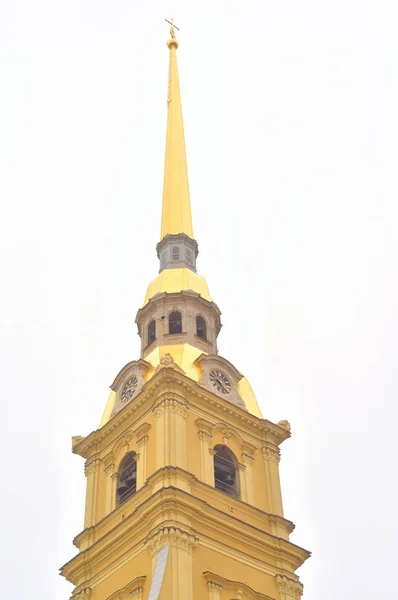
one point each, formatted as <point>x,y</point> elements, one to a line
<point>176,207</point>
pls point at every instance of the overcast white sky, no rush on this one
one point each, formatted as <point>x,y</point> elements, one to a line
<point>291,121</point>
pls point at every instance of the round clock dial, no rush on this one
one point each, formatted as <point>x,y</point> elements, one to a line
<point>220,381</point>
<point>129,388</point>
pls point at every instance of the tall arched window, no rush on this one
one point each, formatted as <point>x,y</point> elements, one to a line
<point>225,471</point>
<point>151,332</point>
<point>175,322</point>
<point>201,327</point>
<point>127,479</point>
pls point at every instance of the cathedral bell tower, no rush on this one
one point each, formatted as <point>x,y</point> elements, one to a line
<point>183,496</point>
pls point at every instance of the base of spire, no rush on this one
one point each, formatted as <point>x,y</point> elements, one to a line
<point>176,251</point>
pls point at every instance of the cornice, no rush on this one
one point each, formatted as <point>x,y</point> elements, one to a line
<point>128,529</point>
<point>179,385</point>
<point>81,593</point>
<point>188,294</point>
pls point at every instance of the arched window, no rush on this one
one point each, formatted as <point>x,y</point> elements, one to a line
<point>201,328</point>
<point>151,332</point>
<point>175,322</point>
<point>225,471</point>
<point>127,479</point>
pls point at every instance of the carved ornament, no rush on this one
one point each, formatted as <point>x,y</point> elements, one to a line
<point>170,405</point>
<point>171,535</point>
<point>237,589</point>
<point>214,587</point>
<point>272,454</point>
<point>205,429</point>
<point>285,425</point>
<point>84,594</point>
<point>166,360</point>
<point>290,587</point>
<point>91,466</point>
<point>141,433</point>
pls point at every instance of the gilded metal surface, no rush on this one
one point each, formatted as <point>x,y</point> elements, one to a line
<point>185,356</point>
<point>177,280</point>
<point>176,207</point>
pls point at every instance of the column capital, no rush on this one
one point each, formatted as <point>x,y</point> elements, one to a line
<point>141,434</point>
<point>109,470</point>
<point>292,588</point>
<point>214,587</point>
<point>170,405</point>
<point>174,536</point>
<point>271,453</point>
<point>91,466</point>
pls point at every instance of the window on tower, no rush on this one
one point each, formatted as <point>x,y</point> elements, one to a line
<point>175,322</point>
<point>201,327</point>
<point>151,332</point>
<point>127,479</point>
<point>225,471</point>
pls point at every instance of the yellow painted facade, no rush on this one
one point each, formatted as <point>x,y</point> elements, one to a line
<point>182,533</point>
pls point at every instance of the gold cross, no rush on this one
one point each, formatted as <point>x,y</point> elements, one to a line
<point>172,28</point>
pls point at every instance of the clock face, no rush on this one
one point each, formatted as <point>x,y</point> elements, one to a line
<point>129,388</point>
<point>220,381</point>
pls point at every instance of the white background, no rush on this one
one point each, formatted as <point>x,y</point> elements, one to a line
<point>290,113</point>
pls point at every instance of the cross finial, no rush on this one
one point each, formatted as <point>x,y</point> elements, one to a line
<point>172,33</point>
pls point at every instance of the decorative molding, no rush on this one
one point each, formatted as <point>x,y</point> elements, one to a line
<point>76,439</point>
<point>285,425</point>
<point>214,587</point>
<point>141,434</point>
<point>84,594</point>
<point>166,360</point>
<point>247,459</point>
<point>292,588</point>
<point>133,590</point>
<point>272,454</point>
<point>109,470</point>
<point>91,466</point>
<point>170,405</point>
<point>216,583</point>
<point>137,593</point>
<point>171,535</point>
<point>205,429</point>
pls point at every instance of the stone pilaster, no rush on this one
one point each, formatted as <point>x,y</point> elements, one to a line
<point>171,433</point>
<point>142,442</point>
<point>181,544</point>
<point>271,457</point>
<point>91,472</point>
<point>205,434</point>
<point>248,460</point>
<point>110,492</point>
<point>241,468</point>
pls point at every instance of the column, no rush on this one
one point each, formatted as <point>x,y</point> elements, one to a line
<point>91,472</point>
<point>205,431</point>
<point>271,456</point>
